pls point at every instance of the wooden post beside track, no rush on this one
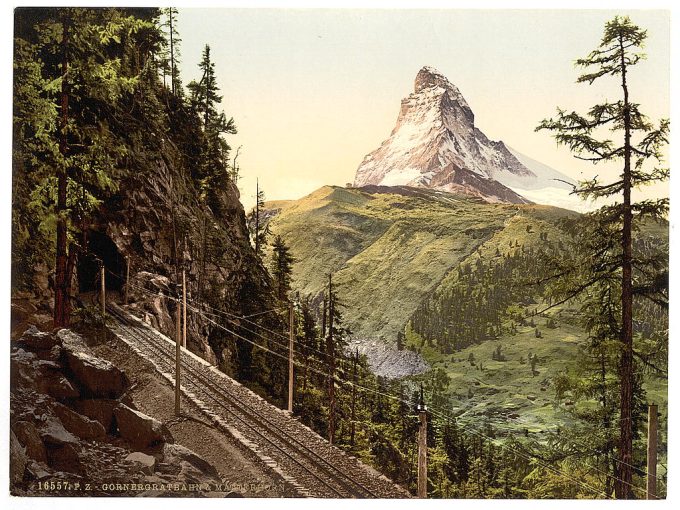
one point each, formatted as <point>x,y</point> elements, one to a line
<point>652,425</point>
<point>178,352</point>
<point>291,367</point>
<point>422,448</point>
<point>184,308</point>
<point>127,280</point>
<point>102,297</point>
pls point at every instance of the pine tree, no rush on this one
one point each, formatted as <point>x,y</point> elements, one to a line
<point>80,65</point>
<point>259,229</point>
<point>204,98</point>
<point>170,64</point>
<point>281,268</point>
<point>639,143</point>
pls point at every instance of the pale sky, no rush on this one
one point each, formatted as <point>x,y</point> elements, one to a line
<point>313,91</point>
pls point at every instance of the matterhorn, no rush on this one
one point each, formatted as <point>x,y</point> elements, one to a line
<point>435,144</point>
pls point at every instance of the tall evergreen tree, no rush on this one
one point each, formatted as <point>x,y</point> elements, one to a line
<point>639,143</point>
<point>78,65</point>
<point>259,229</point>
<point>170,63</point>
<point>281,268</point>
<point>204,98</point>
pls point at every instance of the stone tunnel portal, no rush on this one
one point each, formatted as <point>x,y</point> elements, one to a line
<point>100,246</point>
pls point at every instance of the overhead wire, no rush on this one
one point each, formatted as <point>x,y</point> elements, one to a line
<point>336,379</point>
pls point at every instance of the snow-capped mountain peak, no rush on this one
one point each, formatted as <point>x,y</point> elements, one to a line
<point>435,144</point>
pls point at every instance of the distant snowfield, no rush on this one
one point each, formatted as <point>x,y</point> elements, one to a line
<point>400,177</point>
<point>558,197</point>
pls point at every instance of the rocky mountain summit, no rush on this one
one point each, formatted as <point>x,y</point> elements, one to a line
<point>436,144</point>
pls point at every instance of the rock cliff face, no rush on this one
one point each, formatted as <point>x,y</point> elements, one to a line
<point>435,144</point>
<point>159,223</point>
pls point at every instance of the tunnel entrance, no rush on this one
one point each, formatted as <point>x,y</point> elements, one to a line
<point>100,246</point>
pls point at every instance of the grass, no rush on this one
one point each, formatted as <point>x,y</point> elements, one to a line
<point>389,252</point>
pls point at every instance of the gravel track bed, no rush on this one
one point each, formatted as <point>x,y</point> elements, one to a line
<point>305,460</point>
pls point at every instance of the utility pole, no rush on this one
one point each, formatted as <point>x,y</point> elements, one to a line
<point>422,447</point>
<point>127,280</point>
<point>257,217</point>
<point>184,307</point>
<point>291,368</point>
<point>178,352</point>
<point>652,425</point>
<point>331,355</point>
<point>102,297</point>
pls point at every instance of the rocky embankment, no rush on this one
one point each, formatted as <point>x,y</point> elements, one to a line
<point>387,361</point>
<point>75,430</point>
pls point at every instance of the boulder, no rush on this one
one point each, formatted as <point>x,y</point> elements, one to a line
<point>41,375</point>
<point>17,459</point>
<point>36,340</point>
<point>72,341</point>
<point>29,437</point>
<point>54,354</point>
<point>140,430</point>
<point>53,433</point>
<point>146,463</point>
<point>66,457</point>
<point>188,461</point>
<point>100,409</point>
<point>80,425</point>
<point>38,470</point>
<point>98,377</point>
<point>59,387</point>
<point>21,312</point>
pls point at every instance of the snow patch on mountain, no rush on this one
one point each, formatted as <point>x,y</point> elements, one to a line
<point>558,197</point>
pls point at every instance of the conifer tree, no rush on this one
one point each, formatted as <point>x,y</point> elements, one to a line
<point>79,65</point>
<point>259,230</point>
<point>204,98</point>
<point>281,267</point>
<point>639,142</point>
<point>170,63</point>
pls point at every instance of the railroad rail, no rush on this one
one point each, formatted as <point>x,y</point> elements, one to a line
<point>312,466</point>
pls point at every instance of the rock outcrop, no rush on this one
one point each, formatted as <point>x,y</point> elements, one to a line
<point>97,377</point>
<point>80,436</point>
<point>140,430</point>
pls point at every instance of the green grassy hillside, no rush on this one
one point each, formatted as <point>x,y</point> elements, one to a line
<point>429,263</point>
<point>388,251</point>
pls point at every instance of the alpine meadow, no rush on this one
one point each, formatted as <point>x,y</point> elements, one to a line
<point>459,320</point>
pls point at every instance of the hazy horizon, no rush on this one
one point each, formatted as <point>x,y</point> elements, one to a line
<point>313,91</point>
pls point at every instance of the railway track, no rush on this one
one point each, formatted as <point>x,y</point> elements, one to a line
<point>312,466</point>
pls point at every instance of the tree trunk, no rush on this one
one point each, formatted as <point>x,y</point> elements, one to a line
<point>624,485</point>
<point>62,279</point>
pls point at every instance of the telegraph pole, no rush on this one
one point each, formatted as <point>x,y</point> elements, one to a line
<point>652,425</point>
<point>184,307</point>
<point>331,355</point>
<point>178,352</point>
<point>291,368</point>
<point>127,280</point>
<point>102,298</point>
<point>354,395</point>
<point>422,447</point>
